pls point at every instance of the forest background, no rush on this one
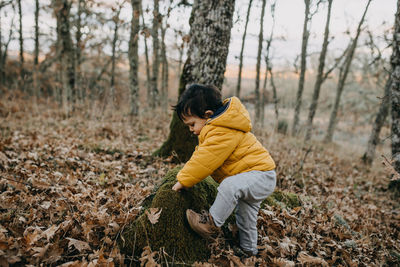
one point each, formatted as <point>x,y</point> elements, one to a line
<point>73,114</point>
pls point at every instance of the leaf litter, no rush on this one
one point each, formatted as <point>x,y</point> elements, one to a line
<point>69,187</point>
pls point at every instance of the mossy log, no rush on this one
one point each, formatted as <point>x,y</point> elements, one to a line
<point>172,232</point>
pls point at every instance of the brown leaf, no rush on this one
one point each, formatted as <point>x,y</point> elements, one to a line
<point>49,233</point>
<point>147,258</point>
<point>304,258</point>
<point>79,245</point>
<point>153,215</point>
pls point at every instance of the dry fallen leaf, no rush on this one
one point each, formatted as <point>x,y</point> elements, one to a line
<point>153,215</point>
<point>304,258</point>
<point>79,245</point>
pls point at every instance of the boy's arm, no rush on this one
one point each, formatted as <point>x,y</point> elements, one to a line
<point>210,155</point>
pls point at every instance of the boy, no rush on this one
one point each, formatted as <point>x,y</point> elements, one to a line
<point>231,154</point>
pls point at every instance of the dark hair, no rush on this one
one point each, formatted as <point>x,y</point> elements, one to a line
<point>197,99</point>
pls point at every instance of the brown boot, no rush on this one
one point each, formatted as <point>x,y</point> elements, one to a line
<point>203,224</point>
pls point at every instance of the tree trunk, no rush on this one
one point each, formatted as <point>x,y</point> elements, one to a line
<point>210,24</point>
<point>239,81</point>
<point>156,58</point>
<point>342,79</point>
<point>267,64</point>
<point>258,67</point>
<point>113,56</point>
<point>383,112</point>
<point>78,52</point>
<point>62,10</point>
<point>4,53</point>
<point>36,52</point>
<point>164,72</point>
<point>303,66</point>
<point>146,53</point>
<point>395,63</point>
<point>21,41</point>
<point>275,95</point>
<point>133,58</point>
<point>320,78</point>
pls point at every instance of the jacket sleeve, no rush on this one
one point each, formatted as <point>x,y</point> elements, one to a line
<point>211,154</point>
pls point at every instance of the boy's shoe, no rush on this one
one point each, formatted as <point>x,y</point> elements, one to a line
<point>241,253</point>
<point>202,223</point>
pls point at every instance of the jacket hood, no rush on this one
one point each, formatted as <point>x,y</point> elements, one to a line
<point>235,116</point>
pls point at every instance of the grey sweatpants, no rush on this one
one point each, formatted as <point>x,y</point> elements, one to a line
<point>245,192</point>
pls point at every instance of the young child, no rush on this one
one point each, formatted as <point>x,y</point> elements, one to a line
<point>231,154</point>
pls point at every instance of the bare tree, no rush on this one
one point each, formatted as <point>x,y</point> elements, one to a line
<point>239,81</point>
<point>66,51</point>
<point>344,70</point>
<point>303,65</point>
<point>78,51</point>
<point>36,51</point>
<point>133,58</point>
<point>320,75</point>
<point>267,63</point>
<point>117,23</point>
<point>395,96</point>
<point>21,40</point>
<point>4,44</point>
<point>274,94</point>
<point>146,34</point>
<point>164,72</point>
<point>210,24</point>
<point>156,57</point>
<point>258,102</point>
<point>380,119</point>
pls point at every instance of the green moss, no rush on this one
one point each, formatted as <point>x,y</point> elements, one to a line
<point>172,231</point>
<point>282,199</point>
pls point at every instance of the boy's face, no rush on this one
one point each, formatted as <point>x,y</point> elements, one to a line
<point>196,123</point>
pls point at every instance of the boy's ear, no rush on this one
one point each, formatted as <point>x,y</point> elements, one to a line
<point>208,113</point>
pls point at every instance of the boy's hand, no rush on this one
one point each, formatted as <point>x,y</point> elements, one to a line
<point>178,187</point>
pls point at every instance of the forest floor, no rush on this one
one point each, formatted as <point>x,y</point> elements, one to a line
<point>69,186</point>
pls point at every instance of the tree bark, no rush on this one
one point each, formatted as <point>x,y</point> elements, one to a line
<point>303,66</point>
<point>164,72</point>
<point>21,41</point>
<point>395,96</point>
<point>383,112</point>
<point>210,30</point>
<point>267,64</point>
<point>78,52</point>
<point>4,52</point>
<point>320,75</point>
<point>62,11</point>
<point>133,58</point>
<point>342,79</point>
<point>146,53</point>
<point>258,102</point>
<point>275,95</point>
<point>156,58</point>
<point>113,56</point>
<point>36,51</point>
<point>239,81</point>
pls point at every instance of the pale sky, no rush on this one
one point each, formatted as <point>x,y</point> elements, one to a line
<point>289,25</point>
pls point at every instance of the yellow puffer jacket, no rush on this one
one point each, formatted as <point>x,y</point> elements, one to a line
<point>226,147</point>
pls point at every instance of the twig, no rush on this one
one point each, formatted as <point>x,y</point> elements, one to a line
<point>25,183</point>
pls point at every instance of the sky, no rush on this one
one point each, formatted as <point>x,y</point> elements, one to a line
<point>288,26</point>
